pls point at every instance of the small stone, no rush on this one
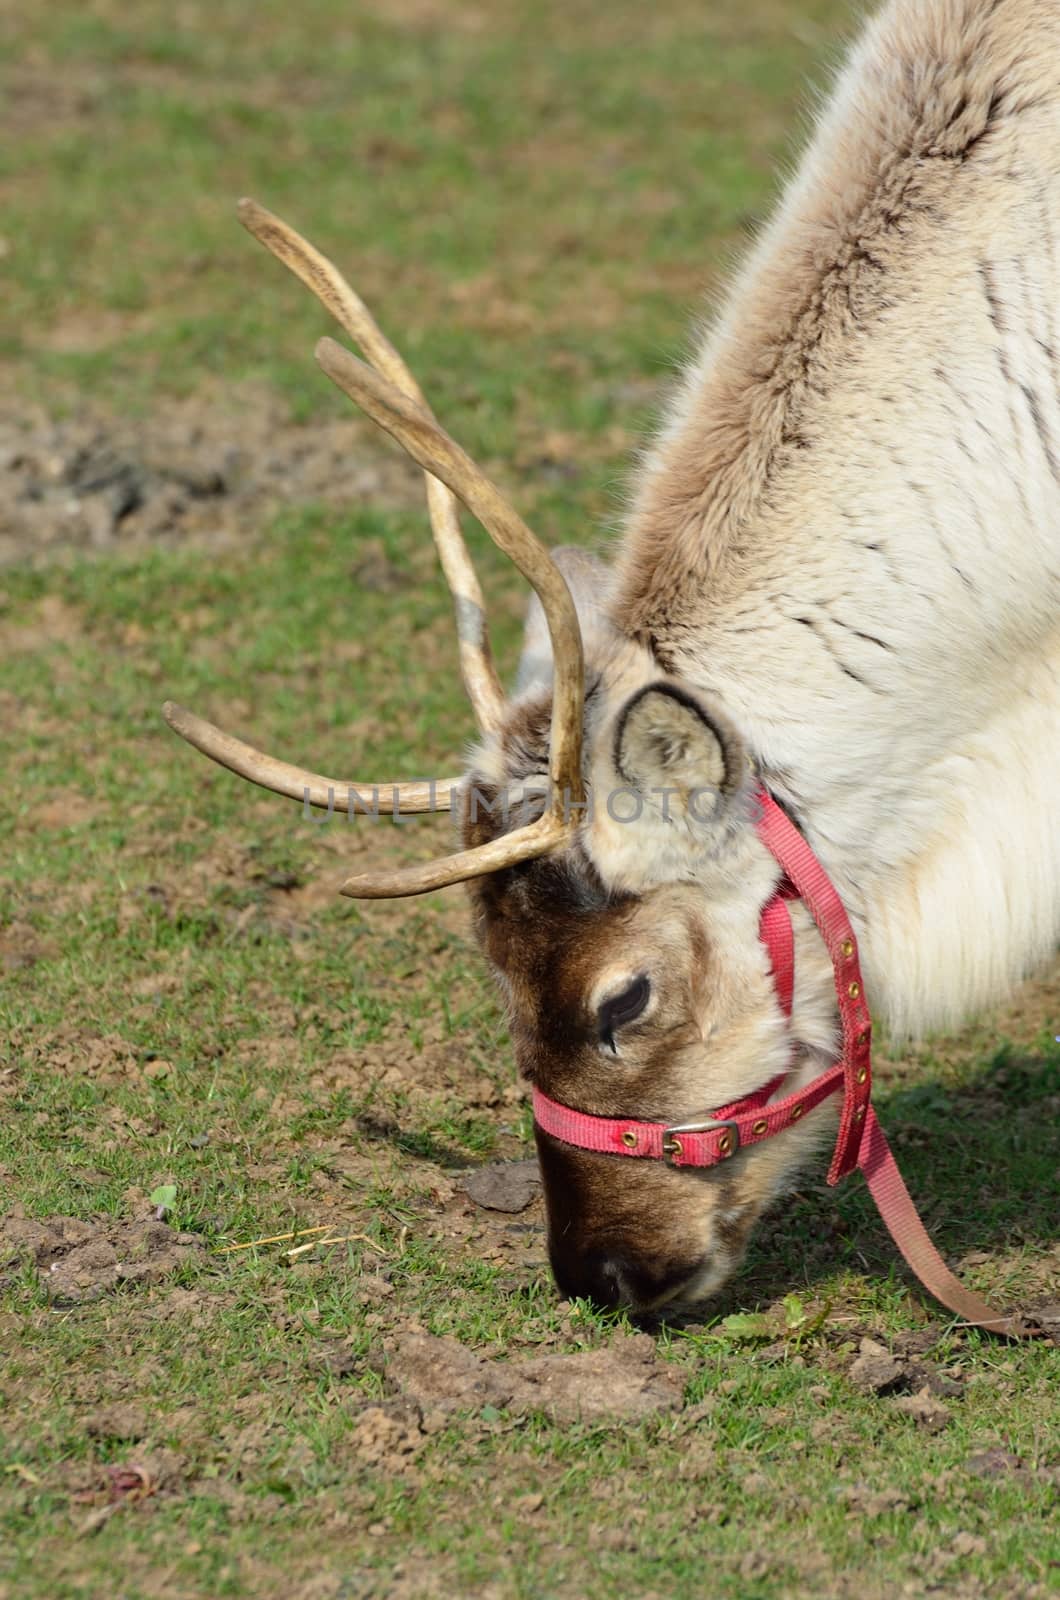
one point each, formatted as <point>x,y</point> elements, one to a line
<point>505,1186</point>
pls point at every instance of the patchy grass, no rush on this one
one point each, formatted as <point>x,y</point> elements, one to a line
<point>533,196</point>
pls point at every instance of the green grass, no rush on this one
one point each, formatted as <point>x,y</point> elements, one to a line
<point>532,198</point>
<point>567,182</point>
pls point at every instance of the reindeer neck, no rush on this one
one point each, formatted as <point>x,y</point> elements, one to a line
<point>823,535</point>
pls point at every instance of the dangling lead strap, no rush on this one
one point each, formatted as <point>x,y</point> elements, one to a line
<point>902,1221</point>
<point>862,1142</point>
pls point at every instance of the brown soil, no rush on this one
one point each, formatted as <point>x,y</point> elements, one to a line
<point>79,1260</point>
<point>190,471</point>
<point>624,1380</point>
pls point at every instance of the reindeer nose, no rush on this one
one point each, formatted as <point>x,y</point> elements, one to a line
<point>615,1282</point>
<point>613,1240</point>
<point>596,1277</point>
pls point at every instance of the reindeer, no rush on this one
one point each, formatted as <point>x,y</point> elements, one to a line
<point>837,595</point>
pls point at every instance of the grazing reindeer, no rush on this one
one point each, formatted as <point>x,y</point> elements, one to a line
<point>827,651</point>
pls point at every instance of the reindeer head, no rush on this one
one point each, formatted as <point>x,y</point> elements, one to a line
<point>615,873</point>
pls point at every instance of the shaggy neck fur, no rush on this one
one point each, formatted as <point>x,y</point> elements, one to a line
<point>849,527</point>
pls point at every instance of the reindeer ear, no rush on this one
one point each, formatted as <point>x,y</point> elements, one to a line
<point>667,786</point>
<point>666,738</point>
<point>589,581</point>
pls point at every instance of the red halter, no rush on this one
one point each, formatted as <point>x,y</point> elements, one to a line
<point>704,1142</point>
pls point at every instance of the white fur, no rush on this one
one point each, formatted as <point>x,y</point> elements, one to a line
<point>844,547</point>
<point>932,790</point>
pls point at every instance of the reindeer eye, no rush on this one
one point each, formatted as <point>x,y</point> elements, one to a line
<point>621,1009</point>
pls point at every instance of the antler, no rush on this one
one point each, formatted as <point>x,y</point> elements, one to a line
<point>390,395</point>
<point>327,794</point>
<point>440,455</point>
<point>522,844</point>
<point>323,278</point>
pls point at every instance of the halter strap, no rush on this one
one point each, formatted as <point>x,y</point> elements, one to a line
<point>860,1144</point>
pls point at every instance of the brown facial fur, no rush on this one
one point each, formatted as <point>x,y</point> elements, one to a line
<point>620,1231</point>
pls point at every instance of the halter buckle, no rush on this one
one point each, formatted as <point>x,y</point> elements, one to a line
<point>673,1149</point>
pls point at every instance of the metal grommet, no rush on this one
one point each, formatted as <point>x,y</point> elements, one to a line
<point>854,989</point>
<point>862,1038</point>
<point>863,1073</point>
<point>859,1114</point>
<point>629,1139</point>
<point>673,1147</point>
<point>847,948</point>
<point>725,1143</point>
<point>759,1127</point>
<point>796,1112</point>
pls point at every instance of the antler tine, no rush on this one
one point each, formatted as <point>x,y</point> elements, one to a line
<point>330,794</point>
<point>428,443</point>
<point>322,277</point>
<point>522,844</point>
<point>404,798</point>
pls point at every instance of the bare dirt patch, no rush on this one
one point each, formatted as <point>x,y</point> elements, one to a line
<point>926,1411</point>
<point>424,1071</point>
<point>79,1260</point>
<point>388,1437</point>
<point>624,1380</point>
<point>22,946</point>
<point>879,1371</point>
<point>190,471</point>
<point>81,1052</point>
<point>122,1421</point>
